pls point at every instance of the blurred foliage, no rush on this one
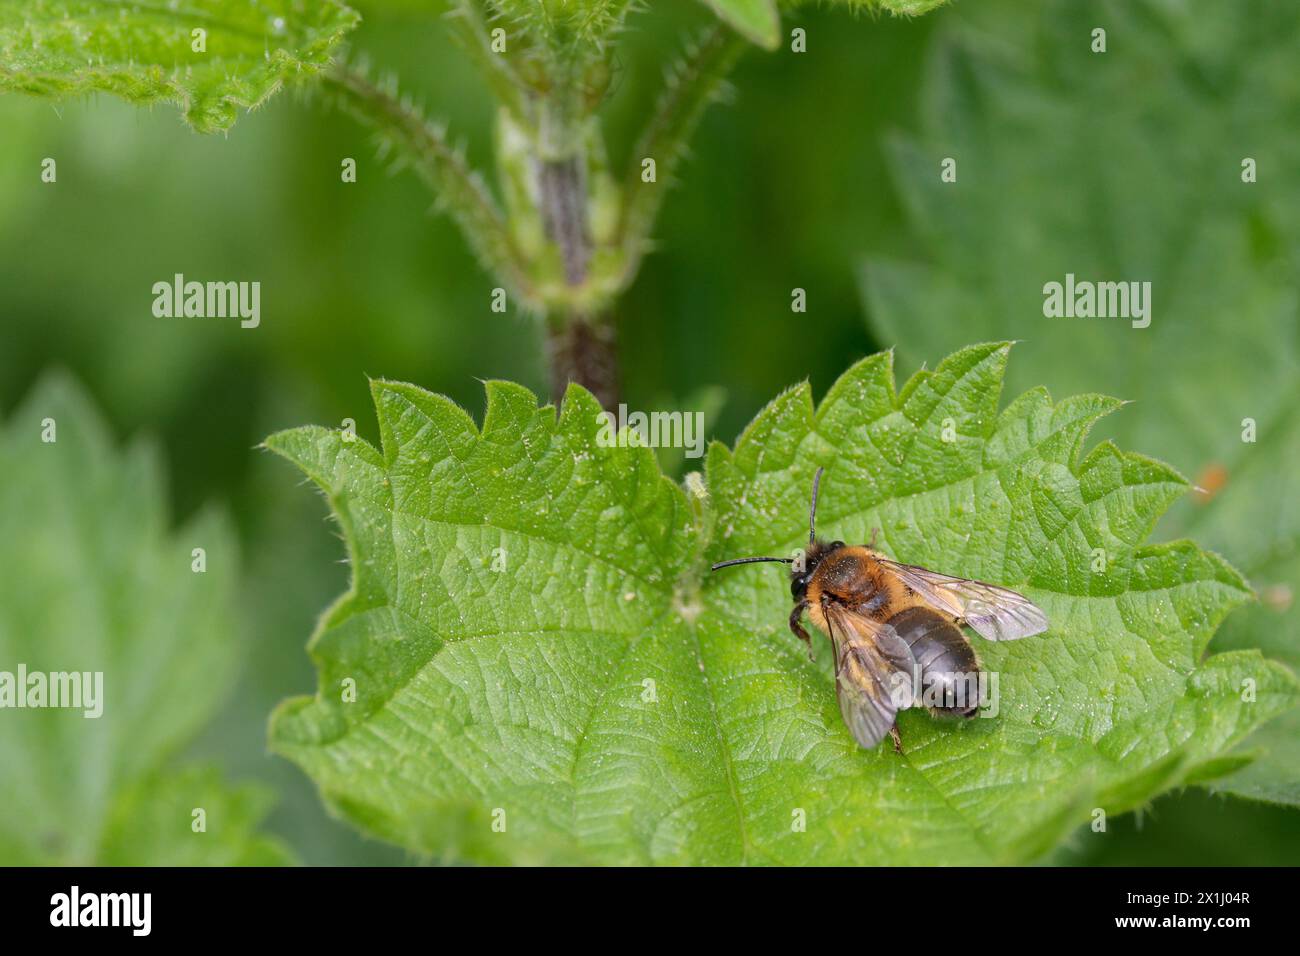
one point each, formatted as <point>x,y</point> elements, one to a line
<point>788,186</point>
<point>1191,828</point>
<point>140,617</point>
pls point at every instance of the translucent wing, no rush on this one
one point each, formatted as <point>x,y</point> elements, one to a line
<point>874,673</point>
<point>995,614</point>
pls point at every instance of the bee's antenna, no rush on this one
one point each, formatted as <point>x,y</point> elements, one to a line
<point>727,564</point>
<point>812,512</point>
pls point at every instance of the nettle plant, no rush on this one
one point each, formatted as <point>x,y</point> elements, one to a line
<point>533,663</point>
<point>562,235</point>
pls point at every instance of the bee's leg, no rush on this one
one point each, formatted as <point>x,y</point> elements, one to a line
<point>798,629</point>
<point>897,738</point>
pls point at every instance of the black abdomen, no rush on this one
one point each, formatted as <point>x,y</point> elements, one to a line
<point>949,672</point>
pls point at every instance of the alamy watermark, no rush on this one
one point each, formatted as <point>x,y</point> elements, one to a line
<point>1083,299</point>
<point>71,690</point>
<point>129,910</point>
<point>653,430</point>
<point>208,300</point>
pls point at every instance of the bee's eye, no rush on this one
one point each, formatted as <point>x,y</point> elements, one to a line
<point>837,544</point>
<point>798,585</point>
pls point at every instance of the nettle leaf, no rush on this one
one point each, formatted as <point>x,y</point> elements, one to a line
<point>533,640</point>
<point>901,8</point>
<point>1068,161</point>
<point>760,21</point>
<point>92,580</point>
<point>146,53</point>
<point>757,20</point>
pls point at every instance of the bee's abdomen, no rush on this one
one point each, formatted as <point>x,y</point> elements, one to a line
<point>949,672</point>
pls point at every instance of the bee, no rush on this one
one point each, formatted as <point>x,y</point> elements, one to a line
<point>896,630</point>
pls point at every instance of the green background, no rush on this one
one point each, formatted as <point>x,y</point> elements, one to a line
<point>789,185</point>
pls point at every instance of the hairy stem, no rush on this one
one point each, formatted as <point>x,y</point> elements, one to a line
<point>562,185</point>
<point>584,351</point>
<point>580,344</point>
<point>424,147</point>
<point>691,85</point>
<point>468,26</point>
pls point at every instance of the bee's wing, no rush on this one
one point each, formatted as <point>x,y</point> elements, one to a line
<point>996,614</point>
<point>874,673</point>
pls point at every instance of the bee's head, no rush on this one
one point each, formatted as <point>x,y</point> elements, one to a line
<point>803,566</point>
